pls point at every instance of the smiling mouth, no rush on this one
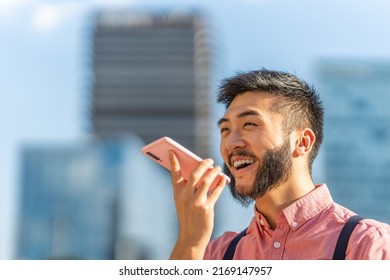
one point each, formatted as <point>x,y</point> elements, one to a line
<point>242,163</point>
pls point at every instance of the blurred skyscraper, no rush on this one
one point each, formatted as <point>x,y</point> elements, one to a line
<point>94,200</point>
<point>152,77</point>
<point>68,201</point>
<point>356,96</point>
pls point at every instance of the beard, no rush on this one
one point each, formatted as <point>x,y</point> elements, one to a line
<point>275,169</point>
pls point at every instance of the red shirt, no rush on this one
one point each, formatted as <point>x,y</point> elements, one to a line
<point>306,229</point>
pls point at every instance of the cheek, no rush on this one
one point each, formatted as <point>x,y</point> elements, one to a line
<point>222,150</point>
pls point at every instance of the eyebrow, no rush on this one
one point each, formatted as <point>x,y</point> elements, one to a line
<point>240,115</point>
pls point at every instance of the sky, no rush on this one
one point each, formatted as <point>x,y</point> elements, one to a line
<point>45,56</point>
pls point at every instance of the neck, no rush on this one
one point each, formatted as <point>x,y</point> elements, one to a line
<point>273,202</point>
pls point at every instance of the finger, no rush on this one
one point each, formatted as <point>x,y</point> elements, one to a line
<point>174,167</point>
<point>207,180</point>
<point>216,193</point>
<point>199,172</point>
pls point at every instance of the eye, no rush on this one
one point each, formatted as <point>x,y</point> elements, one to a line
<point>249,124</point>
<point>224,129</point>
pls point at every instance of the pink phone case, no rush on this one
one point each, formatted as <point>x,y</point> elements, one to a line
<point>158,151</point>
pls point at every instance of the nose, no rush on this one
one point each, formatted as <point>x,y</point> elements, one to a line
<point>234,141</point>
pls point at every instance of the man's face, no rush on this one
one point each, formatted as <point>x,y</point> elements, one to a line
<point>256,152</point>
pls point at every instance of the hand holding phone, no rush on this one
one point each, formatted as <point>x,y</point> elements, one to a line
<point>195,210</point>
<point>158,151</point>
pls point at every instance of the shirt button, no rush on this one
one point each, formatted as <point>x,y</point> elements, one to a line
<point>294,224</point>
<point>277,245</point>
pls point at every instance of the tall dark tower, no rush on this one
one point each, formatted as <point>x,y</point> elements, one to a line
<point>152,77</point>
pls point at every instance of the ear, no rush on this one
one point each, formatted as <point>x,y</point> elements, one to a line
<point>304,142</point>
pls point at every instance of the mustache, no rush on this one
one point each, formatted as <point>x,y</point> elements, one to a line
<point>240,153</point>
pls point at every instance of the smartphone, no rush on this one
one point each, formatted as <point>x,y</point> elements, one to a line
<point>158,152</point>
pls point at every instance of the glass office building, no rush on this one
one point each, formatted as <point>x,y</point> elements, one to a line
<point>68,201</point>
<point>94,201</point>
<point>356,150</point>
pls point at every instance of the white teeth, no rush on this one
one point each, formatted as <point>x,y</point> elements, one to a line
<point>239,163</point>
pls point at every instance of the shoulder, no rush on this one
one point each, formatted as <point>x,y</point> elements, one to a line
<point>370,240</point>
<point>372,230</point>
<point>217,247</point>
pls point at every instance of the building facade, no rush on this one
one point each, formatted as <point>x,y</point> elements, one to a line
<point>94,201</point>
<point>151,75</point>
<point>68,201</point>
<point>356,150</point>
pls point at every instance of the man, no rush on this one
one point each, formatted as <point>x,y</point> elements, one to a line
<point>270,135</point>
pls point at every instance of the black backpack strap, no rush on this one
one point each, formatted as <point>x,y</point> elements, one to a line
<point>342,242</point>
<point>232,246</point>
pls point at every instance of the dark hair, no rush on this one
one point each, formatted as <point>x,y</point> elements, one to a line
<point>298,102</point>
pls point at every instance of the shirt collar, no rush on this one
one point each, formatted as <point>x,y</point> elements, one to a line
<point>302,210</point>
<point>260,220</point>
<point>308,206</point>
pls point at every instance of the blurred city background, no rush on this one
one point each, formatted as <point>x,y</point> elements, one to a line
<point>85,84</point>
